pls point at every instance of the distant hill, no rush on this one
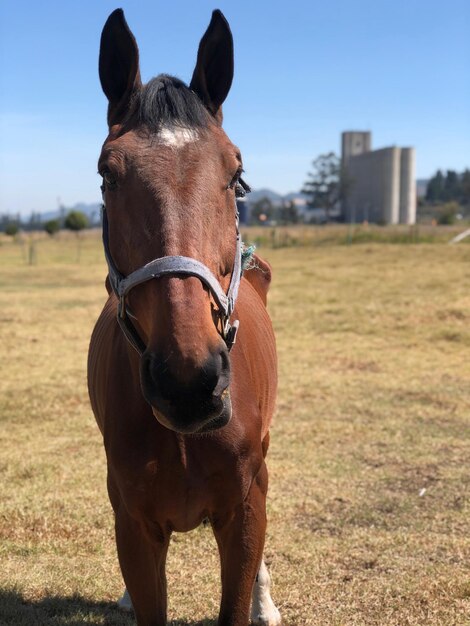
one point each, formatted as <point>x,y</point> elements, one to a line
<point>259,194</point>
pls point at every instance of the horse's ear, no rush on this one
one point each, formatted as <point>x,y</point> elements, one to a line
<point>118,65</point>
<point>213,73</point>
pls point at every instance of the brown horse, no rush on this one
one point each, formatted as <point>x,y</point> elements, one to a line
<point>185,423</point>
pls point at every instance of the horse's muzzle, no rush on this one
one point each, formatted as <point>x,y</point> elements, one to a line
<point>187,400</point>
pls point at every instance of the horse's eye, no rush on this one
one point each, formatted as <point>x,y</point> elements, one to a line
<point>241,188</point>
<point>233,183</point>
<point>109,180</point>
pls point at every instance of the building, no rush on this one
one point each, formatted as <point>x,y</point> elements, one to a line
<point>380,184</point>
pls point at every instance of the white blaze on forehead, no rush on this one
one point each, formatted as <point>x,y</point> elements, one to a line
<point>177,136</point>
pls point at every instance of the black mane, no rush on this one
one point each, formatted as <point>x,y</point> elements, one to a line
<point>167,101</point>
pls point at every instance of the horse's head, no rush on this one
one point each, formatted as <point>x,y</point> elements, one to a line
<point>170,176</point>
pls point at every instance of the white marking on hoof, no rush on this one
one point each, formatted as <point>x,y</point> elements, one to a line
<point>125,603</point>
<point>177,136</point>
<point>263,610</point>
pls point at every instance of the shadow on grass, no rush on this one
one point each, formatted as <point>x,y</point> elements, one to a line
<point>16,610</point>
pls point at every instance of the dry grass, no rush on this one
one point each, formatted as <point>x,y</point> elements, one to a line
<point>369,500</point>
<point>344,234</point>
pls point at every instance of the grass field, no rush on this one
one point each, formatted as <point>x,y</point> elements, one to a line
<point>370,450</point>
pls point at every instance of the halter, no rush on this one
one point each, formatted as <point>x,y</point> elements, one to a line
<point>170,266</point>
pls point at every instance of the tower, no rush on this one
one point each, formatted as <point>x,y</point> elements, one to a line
<point>354,143</point>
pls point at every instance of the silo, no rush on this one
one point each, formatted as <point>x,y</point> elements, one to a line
<point>407,186</point>
<point>354,142</point>
<point>390,182</point>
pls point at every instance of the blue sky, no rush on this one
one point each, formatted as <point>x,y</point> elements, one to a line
<point>304,72</point>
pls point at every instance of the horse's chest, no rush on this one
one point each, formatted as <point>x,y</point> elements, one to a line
<point>178,491</point>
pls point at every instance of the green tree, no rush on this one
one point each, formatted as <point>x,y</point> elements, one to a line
<point>452,189</point>
<point>327,183</point>
<point>447,213</point>
<point>11,229</point>
<point>435,190</point>
<point>52,226</point>
<point>465,187</point>
<point>76,221</point>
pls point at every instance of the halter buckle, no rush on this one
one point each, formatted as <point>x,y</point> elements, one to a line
<point>230,335</point>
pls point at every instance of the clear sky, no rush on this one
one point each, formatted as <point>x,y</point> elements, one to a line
<point>304,71</point>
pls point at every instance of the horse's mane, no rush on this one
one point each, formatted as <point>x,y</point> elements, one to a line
<point>167,101</point>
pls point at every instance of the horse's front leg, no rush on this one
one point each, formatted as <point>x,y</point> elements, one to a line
<point>263,610</point>
<point>142,562</point>
<point>240,538</point>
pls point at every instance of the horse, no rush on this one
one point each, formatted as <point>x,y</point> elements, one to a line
<point>182,370</point>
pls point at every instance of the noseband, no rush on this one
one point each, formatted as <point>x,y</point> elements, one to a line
<point>174,266</point>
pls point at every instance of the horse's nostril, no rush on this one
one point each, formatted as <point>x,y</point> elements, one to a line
<point>223,378</point>
<point>164,379</point>
<point>150,368</point>
<point>188,399</point>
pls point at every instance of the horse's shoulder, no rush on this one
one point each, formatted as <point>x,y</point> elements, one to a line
<point>259,276</point>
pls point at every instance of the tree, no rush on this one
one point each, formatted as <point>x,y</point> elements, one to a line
<point>52,226</point>
<point>449,187</point>
<point>465,187</point>
<point>12,229</point>
<point>76,221</point>
<point>326,184</point>
<point>435,189</point>
<point>452,188</point>
<point>447,213</point>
